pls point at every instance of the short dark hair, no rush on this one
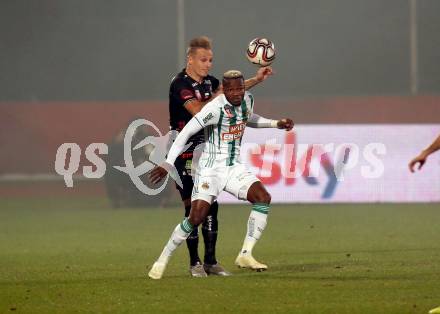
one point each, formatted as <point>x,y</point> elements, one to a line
<point>198,42</point>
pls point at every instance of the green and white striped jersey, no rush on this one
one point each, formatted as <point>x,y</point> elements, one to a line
<point>224,126</point>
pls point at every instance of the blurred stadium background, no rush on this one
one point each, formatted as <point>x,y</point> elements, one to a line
<point>358,71</point>
<point>78,72</point>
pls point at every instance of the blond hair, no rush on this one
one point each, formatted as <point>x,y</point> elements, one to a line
<point>198,42</point>
<point>232,74</point>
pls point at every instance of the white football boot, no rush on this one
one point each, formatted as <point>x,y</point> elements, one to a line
<point>248,261</point>
<point>157,270</point>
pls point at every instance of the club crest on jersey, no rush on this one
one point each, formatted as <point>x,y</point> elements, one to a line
<point>205,186</point>
<point>229,110</point>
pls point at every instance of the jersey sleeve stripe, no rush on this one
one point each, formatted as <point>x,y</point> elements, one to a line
<point>244,110</point>
<point>252,100</point>
<point>199,122</point>
<point>231,147</point>
<point>219,126</point>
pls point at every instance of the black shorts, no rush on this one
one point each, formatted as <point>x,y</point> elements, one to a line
<point>183,166</point>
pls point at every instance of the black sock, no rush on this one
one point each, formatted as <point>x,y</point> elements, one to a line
<point>192,242</point>
<point>209,231</point>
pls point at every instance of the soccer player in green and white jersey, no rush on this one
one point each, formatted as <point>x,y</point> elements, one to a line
<point>224,120</point>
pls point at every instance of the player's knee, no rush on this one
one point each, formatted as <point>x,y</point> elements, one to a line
<point>263,197</point>
<point>195,219</point>
<point>198,221</point>
<point>199,211</point>
<point>267,198</point>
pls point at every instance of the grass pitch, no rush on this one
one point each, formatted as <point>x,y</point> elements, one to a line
<point>64,256</point>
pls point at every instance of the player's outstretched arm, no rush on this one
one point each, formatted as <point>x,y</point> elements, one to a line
<point>262,74</point>
<point>194,106</point>
<point>423,156</point>
<point>286,124</point>
<point>159,172</point>
<point>256,121</point>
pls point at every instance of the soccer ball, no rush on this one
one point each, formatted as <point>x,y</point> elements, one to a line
<point>261,51</point>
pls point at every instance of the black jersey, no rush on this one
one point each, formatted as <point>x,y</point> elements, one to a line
<point>183,89</point>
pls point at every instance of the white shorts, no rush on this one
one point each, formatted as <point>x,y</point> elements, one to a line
<point>210,182</point>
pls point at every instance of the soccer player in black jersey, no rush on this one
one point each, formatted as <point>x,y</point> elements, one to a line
<point>190,90</point>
